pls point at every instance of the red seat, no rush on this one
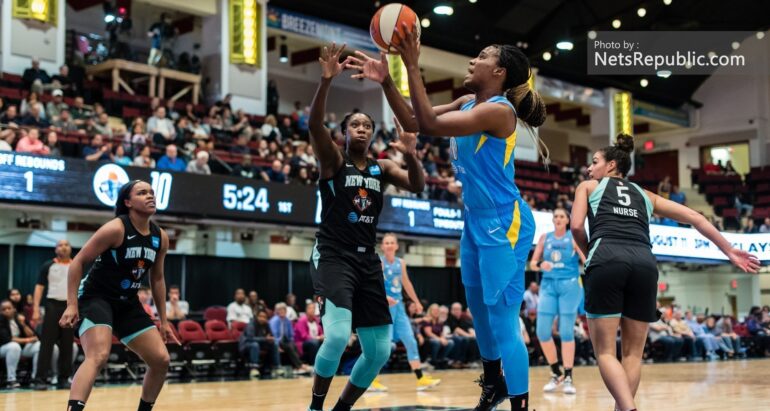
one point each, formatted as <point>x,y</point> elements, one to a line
<point>237,329</point>
<point>225,346</point>
<point>217,331</point>
<point>131,112</point>
<point>12,78</point>
<point>215,313</point>
<point>191,332</point>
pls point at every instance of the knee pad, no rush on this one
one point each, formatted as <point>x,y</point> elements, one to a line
<point>337,323</point>
<point>375,347</point>
<point>544,324</point>
<point>567,327</point>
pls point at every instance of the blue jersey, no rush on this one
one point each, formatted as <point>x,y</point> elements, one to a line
<point>484,165</point>
<point>561,253</point>
<point>392,274</point>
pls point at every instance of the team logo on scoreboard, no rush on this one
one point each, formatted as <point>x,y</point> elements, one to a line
<point>362,200</point>
<point>108,180</point>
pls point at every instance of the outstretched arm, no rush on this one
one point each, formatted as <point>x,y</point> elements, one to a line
<point>324,146</point>
<point>669,209</point>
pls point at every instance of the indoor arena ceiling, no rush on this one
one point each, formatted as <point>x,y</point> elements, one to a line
<point>542,23</point>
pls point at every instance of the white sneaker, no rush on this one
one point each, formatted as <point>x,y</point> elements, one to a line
<point>553,383</point>
<point>568,387</point>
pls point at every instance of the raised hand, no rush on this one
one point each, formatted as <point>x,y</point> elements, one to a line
<point>330,61</point>
<point>743,260</point>
<point>406,141</point>
<point>369,68</point>
<point>407,44</point>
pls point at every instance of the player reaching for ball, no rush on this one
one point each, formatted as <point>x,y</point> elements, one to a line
<point>499,226</point>
<point>346,271</point>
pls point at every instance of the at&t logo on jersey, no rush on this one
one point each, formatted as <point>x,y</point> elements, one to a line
<point>108,180</point>
<point>355,218</point>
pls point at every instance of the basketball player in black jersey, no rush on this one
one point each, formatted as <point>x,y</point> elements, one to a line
<point>621,274</point>
<point>347,273</point>
<point>125,250</point>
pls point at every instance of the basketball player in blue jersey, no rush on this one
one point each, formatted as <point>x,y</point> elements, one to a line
<point>346,271</point>
<point>124,251</point>
<point>621,274</point>
<point>499,226</point>
<point>396,282</point>
<point>557,257</point>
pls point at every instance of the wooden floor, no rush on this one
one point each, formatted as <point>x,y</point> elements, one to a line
<point>734,385</point>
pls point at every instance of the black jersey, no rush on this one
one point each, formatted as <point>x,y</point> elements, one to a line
<point>118,272</point>
<point>619,209</point>
<point>351,204</point>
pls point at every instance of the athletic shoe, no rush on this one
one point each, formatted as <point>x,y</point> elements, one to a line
<point>376,386</point>
<point>254,373</point>
<point>12,385</point>
<point>568,387</point>
<point>38,385</point>
<point>427,382</point>
<point>553,383</point>
<point>491,394</point>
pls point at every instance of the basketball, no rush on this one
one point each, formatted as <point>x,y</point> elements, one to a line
<point>384,24</point>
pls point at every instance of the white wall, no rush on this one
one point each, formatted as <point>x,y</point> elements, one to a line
<point>24,39</point>
<point>710,289</point>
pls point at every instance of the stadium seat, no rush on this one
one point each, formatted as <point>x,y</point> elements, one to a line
<point>237,329</point>
<point>216,312</point>
<point>225,345</point>
<point>197,345</point>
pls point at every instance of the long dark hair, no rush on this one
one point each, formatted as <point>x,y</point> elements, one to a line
<point>620,153</point>
<point>125,194</point>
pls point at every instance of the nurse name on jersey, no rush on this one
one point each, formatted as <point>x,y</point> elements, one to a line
<point>358,181</point>
<point>136,252</point>
<point>627,212</point>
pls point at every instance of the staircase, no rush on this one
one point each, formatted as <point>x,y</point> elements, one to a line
<point>697,201</point>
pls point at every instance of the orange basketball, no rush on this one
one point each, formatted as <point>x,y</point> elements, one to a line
<point>386,20</point>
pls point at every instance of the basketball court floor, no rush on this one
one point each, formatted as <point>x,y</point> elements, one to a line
<point>734,385</point>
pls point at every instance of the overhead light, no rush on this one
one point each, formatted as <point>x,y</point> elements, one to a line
<point>643,82</point>
<point>616,23</point>
<point>736,45</point>
<point>641,12</point>
<point>564,45</point>
<point>667,2</point>
<point>547,55</point>
<point>664,73</point>
<point>760,35</point>
<point>592,34</point>
<point>284,54</point>
<point>473,1</point>
<point>425,22</point>
<point>443,10</point>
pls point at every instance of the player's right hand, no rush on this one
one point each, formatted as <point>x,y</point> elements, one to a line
<point>369,68</point>
<point>70,317</point>
<point>330,61</point>
<point>747,262</point>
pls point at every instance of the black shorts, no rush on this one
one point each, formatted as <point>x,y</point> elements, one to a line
<point>621,279</point>
<point>127,318</point>
<point>351,279</point>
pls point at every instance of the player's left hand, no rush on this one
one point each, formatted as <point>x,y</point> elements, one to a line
<point>406,141</point>
<point>167,333</point>
<point>369,68</point>
<point>407,44</point>
<point>747,262</point>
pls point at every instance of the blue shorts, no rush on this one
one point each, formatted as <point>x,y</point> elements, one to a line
<point>560,296</point>
<point>494,249</point>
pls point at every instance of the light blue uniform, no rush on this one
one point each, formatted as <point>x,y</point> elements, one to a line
<point>402,327</point>
<point>499,228</point>
<point>560,290</point>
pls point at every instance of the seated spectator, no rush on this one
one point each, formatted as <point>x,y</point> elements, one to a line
<point>52,142</point>
<point>257,337</point>
<point>176,308</point>
<point>31,143</point>
<point>664,187</point>
<point>145,297</point>
<point>144,159</point>
<point>463,333</point>
<point>16,340</point>
<point>765,227</point>
<point>677,196</point>
<point>274,151</point>
<point>660,332</point>
<point>702,337</point>
<point>199,130</point>
<point>285,129</point>
<point>238,310</point>
<point>242,126</point>
<point>32,100</point>
<point>64,123</point>
<point>270,130</point>
<point>743,206</point>
<point>63,82</point>
<point>200,165</point>
<point>34,77</point>
<point>683,331</point>
<point>284,333</point>
<point>750,227</point>
<point>711,168</point>
<point>102,125</point>
<point>308,334</point>
<point>161,128</point>
<point>171,113</point>
<point>10,117</point>
<point>170,161</point>
<point>119,155</point>
<point>302,178</point>
<point>34,119</point>
<point>246,168</point>
<point>291,307</point>
<point>137,138</point>
<point>19,303</point>
<point>729,342</point>
<point>189,112</point>
<point>56,106</point>
<point>275,173</point>
<point>98,150</point>
<point>255,303</point>
<point>241,145</point>
<point>80,114</point>
<point>434,333</point>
